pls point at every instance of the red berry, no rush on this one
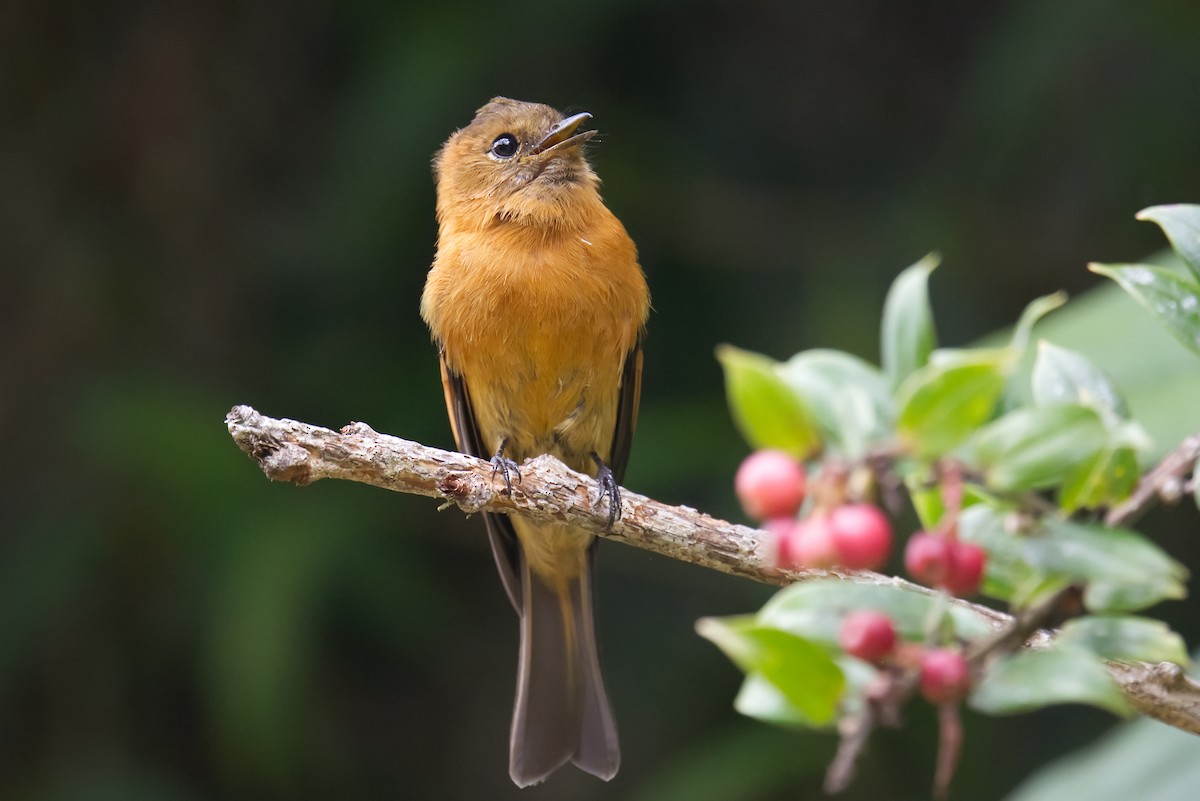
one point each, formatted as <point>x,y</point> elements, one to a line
<point>868,634</point>
<point>784,536</point>
<point>967,562</point>
<point>927,558</point>
<point>769,484</point>
<point>862,535</point>
<point>944,675</point>
<point>814,545</point>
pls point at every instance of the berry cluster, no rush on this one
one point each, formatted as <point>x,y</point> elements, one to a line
<point>772,486</point>
<point>835,532</point>
<point>943,673</point>
<point>941,560</point>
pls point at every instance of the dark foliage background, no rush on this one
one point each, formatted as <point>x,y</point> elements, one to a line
<point>215,203</point>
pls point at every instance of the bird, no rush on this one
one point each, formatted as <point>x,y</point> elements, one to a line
<point>537,306</point>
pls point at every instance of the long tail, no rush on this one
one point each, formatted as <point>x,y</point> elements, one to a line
<point>562,711</point>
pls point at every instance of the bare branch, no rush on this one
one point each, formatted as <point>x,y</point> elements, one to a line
<point>301,453</point>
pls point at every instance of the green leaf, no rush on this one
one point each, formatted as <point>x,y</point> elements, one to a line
<point>1105,479</point>
<point>1006,570</point>
<point>927,501</point>
<point>1036,588</point>
<point>1125,638</point>
<point>1037,446</point>
<point>1121,569</point>
<point>1124,570</point>
<point>1156,376</point>
<point>730,634</point>
<point>1102,595</point>
<point>1141,760</point>
<point>925,494</point>
<point>1181,223</point>
<point>760,699</point>
<point>1066,376</point>
<point>1168,295</point>
<point>908,336</point>
<point>1035,311</point>
<point>848,397</point>
<point>1030,680</point>
<point>1007,576</point>
<point>766,410</point>
<point>1061,375</point>
<point>941,404</point>
<point>804,673</point>
<point>814,610</point>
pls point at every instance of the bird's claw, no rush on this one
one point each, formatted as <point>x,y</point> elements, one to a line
<point>505,467</point>
<point>608,487</point>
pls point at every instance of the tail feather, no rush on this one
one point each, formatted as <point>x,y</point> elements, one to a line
<point>599,753</point>
<point>562,712</point>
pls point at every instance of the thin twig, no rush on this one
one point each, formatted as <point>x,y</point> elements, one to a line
<point>301,453</point>
<point>1027,623</point>
<point>1166,481</point>
<point>855,731</point>
<point>883,701</point>
<point>950,740</point>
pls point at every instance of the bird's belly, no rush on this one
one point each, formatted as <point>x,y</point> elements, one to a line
<point>545,396</point>
<point>539,335</point>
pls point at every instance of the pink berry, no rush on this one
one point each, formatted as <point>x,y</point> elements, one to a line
<point>967,563</point>
<point>814,545</point>
<point>784,536</point>
<point>868,635</point>
<point>944,675</point>
<point>927,558</point>
<point>769,484</point>
<point>862,535</point>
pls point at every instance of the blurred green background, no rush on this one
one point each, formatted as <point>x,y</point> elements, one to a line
<point>215,203</point>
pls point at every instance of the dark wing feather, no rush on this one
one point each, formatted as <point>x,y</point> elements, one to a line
<point>627,409</point>
<point>466,434</point>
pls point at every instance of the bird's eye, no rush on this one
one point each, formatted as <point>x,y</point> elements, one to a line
<point>505,146</point>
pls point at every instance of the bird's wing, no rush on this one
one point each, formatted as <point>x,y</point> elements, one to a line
<point>627,410</point>
<point>467,436</point>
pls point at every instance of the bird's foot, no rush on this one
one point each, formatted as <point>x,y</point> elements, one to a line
<point>609,488</point>
<point>506,467</point>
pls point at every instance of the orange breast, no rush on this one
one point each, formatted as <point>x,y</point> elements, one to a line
<point>539,325</point>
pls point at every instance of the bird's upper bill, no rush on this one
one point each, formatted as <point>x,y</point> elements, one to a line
<point>563,134</point>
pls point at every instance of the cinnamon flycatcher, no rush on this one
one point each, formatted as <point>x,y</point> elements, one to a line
<point>537,305</point>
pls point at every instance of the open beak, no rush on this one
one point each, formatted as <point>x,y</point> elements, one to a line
<point>564,134</point>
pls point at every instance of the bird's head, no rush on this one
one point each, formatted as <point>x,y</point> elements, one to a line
<point>516,161</point>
